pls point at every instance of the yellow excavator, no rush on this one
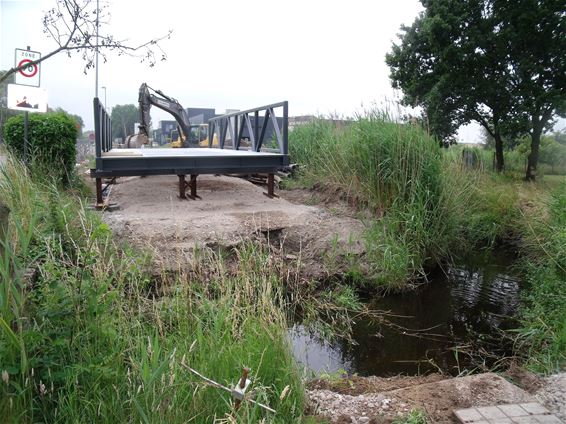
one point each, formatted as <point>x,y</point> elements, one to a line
<point>186,135</point>
<point>198,133</point>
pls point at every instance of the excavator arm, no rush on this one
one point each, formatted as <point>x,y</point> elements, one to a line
<point>146,100</point>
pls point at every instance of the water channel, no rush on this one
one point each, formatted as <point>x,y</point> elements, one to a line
<point>451,324</point>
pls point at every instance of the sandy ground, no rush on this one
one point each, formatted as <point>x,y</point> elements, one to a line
<point>231,210</point>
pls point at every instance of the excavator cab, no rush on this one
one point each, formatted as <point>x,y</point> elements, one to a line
<point>198,136</point>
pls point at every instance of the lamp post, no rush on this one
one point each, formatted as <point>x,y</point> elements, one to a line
<point>104,88</point>
<point>96,54</point>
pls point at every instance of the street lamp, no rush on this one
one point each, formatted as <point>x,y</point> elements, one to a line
<point>104,88</point>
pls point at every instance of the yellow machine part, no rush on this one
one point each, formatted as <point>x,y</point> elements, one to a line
<point>200,131</point>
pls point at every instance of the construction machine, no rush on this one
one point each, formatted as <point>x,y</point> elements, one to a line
<point>187,135</point>
<point>198,136</point>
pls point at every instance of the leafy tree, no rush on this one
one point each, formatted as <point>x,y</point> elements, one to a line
<point>470,60</point>
<point>534,31</point>
<point>72,25</point>
<point>123,119</point>
<point>560,136</point>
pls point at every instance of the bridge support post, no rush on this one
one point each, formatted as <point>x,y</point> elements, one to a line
<point>182,187</point>
<point>271,186</point>
<point>193,186</point>
<point>99,199</point>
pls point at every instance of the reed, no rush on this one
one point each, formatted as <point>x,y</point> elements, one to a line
<point>396,171</point>
<point>85,338</point>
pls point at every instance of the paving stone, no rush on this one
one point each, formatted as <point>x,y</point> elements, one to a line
<point>547,419</point>
<point>513,410</point>
<point>534,408</point>
<point>525,420</point>
<point>491,412</point>
<point>470,415</point>
<point>525,413</point>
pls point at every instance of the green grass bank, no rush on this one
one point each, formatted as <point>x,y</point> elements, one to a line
<point>427,206</point>
<point>85,338</point>
<point>397,172</point>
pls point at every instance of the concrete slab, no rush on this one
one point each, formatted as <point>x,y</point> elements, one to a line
<point>534,408</point>
<point>513,410</point>
<point>524,413</point>
<point>469,415</point>
<point>491,412</point>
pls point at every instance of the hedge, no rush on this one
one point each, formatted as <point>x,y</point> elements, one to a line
<point>51,140</point>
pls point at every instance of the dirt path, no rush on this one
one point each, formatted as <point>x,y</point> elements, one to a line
<point>231,210</point>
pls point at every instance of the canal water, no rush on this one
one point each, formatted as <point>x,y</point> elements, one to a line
<point>454,323</point>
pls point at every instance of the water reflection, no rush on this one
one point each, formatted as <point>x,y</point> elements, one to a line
<point>463,301</point>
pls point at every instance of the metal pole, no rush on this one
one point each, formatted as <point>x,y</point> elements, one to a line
<point>96,72</point>
<point>26,124</point>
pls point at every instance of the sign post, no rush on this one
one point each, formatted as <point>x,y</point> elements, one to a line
<point>29,75</point>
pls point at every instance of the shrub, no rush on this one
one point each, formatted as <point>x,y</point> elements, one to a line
<point>51,141</point>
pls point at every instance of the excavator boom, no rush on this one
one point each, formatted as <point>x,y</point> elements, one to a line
<point>147,99</point>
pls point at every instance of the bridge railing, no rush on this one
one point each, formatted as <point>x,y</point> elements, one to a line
<point>102,129</point>
<point>265,128</point>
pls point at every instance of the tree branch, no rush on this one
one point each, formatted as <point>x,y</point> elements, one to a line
<point>79,27</point>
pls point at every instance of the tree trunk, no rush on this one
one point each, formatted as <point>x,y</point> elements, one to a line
<point>533,156</point>
<point>499,161</point>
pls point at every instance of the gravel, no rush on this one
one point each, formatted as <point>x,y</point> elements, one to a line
<point>553,394</point>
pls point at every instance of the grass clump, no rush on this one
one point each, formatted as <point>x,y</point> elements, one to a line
<point>416,416</point>
<point>396,170</point>
<point>84,339</point>
<point>543,333</point>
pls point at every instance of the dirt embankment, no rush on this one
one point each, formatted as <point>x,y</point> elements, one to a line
<point>231,211</point>
<point>381,400</point>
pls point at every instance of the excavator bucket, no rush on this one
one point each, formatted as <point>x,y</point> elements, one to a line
<point>136,140</point>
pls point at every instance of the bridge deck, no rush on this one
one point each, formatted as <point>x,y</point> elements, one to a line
<point>123,162</point>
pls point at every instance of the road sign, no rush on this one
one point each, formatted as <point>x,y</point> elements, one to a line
<point>29,75</point>
<point>28,99</point>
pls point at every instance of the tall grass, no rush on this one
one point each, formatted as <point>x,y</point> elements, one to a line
<point>83,337</point>
<point>397,171</point>
<point>543,333</point>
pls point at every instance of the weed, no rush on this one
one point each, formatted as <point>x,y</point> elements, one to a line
<point>416,416</point>
<point>542,337</point>
<point>91,342</point>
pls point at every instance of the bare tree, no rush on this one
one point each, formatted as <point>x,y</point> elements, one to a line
<point>72,24</point>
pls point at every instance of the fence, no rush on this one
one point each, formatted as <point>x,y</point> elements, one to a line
<point>102,128</point>
<point>249,125</point>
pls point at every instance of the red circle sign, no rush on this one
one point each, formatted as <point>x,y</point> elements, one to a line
<point>30,70</point>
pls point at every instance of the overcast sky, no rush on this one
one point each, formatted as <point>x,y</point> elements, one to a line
<point>322,56</point>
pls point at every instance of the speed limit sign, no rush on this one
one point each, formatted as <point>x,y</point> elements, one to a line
<point>29,74</point>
